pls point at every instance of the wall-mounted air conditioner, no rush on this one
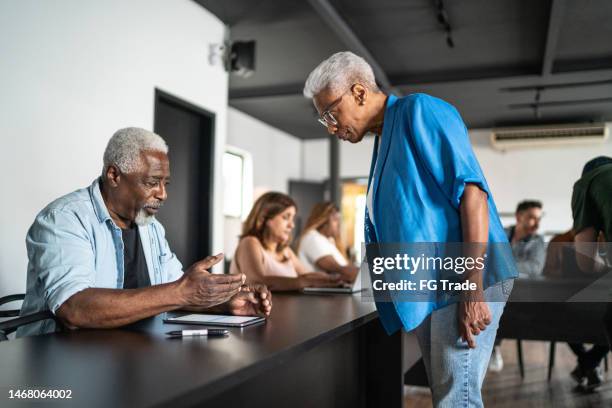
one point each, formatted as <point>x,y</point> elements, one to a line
<point>551,135</point>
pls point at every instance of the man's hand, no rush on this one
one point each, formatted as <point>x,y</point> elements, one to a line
<point>473,317</point>
<point>253,300</point>
<point>320,280</point>
<point>202,289</point>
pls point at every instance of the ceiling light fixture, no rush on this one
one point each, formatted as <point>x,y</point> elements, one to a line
<point>442,16</point>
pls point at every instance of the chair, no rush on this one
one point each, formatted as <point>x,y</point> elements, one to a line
<point>9,326</point>
<point>9,299</point>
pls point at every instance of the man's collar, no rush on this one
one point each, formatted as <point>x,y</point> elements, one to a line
<point>98,202</point>
<point>526,238</point>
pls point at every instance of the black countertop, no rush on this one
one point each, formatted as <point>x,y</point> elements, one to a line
<point>139,366</point>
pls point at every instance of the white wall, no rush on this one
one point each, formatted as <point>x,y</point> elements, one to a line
<point>354,158</point>
<point>546,173</point>
<point>72,73</point>
<point>276,158</point>
<point>543,173</point>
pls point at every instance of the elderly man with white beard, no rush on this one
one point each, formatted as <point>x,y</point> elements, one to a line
<point>98,258</point>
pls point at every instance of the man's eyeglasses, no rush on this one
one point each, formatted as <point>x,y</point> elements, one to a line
<point>327,119</point>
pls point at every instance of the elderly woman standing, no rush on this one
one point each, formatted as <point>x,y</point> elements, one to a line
<point>425,185</point>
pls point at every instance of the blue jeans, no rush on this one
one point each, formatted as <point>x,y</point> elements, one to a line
<point>456,372</point>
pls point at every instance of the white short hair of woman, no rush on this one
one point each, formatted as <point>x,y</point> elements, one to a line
<point>338,73</point>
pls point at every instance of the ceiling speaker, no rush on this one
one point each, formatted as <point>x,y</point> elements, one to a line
<point>242,58</point>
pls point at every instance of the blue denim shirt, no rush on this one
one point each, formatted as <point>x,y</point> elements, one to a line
<point>417,181</point>
<point>529,254</point>
<point>74,244</point>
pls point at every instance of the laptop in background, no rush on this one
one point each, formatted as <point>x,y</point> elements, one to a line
<point>355,287</point>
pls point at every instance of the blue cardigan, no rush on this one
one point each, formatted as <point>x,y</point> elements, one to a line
<point>418,178</point>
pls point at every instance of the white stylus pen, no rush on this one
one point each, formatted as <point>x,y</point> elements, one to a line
<point>202,332</point>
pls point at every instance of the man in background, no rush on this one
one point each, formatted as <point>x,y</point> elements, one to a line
<point>527,245</point>
<point>529,253</point>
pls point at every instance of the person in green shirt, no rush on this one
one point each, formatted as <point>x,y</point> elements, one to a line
<point>592,213</point>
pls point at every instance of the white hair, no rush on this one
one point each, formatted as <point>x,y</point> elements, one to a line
<point>125,147</point>
<point>338,73</point>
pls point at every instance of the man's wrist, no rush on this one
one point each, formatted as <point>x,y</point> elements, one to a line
<point>220,308</point>
<point>177,293</point>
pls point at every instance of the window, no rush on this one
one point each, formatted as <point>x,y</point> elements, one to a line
<point>237,182</point>
<point>233,169</point>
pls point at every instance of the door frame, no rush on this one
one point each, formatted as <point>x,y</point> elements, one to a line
<point>208,167</point>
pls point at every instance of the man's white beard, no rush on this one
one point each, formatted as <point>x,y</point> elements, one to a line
<point>143,219</point>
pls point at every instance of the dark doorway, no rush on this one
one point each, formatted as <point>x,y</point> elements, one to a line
<point>305,194</point>
<point>187,214</point>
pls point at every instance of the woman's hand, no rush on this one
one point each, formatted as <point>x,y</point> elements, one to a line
<point>473,313</point>
<point>473,317</point>
<point>320,280</point>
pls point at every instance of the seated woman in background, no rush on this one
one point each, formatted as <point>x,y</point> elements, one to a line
<point>263,253</point>
<point>320,247</point>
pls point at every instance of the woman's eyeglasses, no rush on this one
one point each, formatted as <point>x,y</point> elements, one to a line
<point>327,119</point>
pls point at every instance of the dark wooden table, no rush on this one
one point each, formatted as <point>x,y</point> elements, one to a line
<point>323,351</point>
<point>556,310</point>
<point>544,309</point>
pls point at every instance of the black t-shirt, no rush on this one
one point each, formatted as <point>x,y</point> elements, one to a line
<point>136,273</point>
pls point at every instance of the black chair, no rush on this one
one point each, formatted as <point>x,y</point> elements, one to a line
<point>9,326</point>
<point>9,299</point>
